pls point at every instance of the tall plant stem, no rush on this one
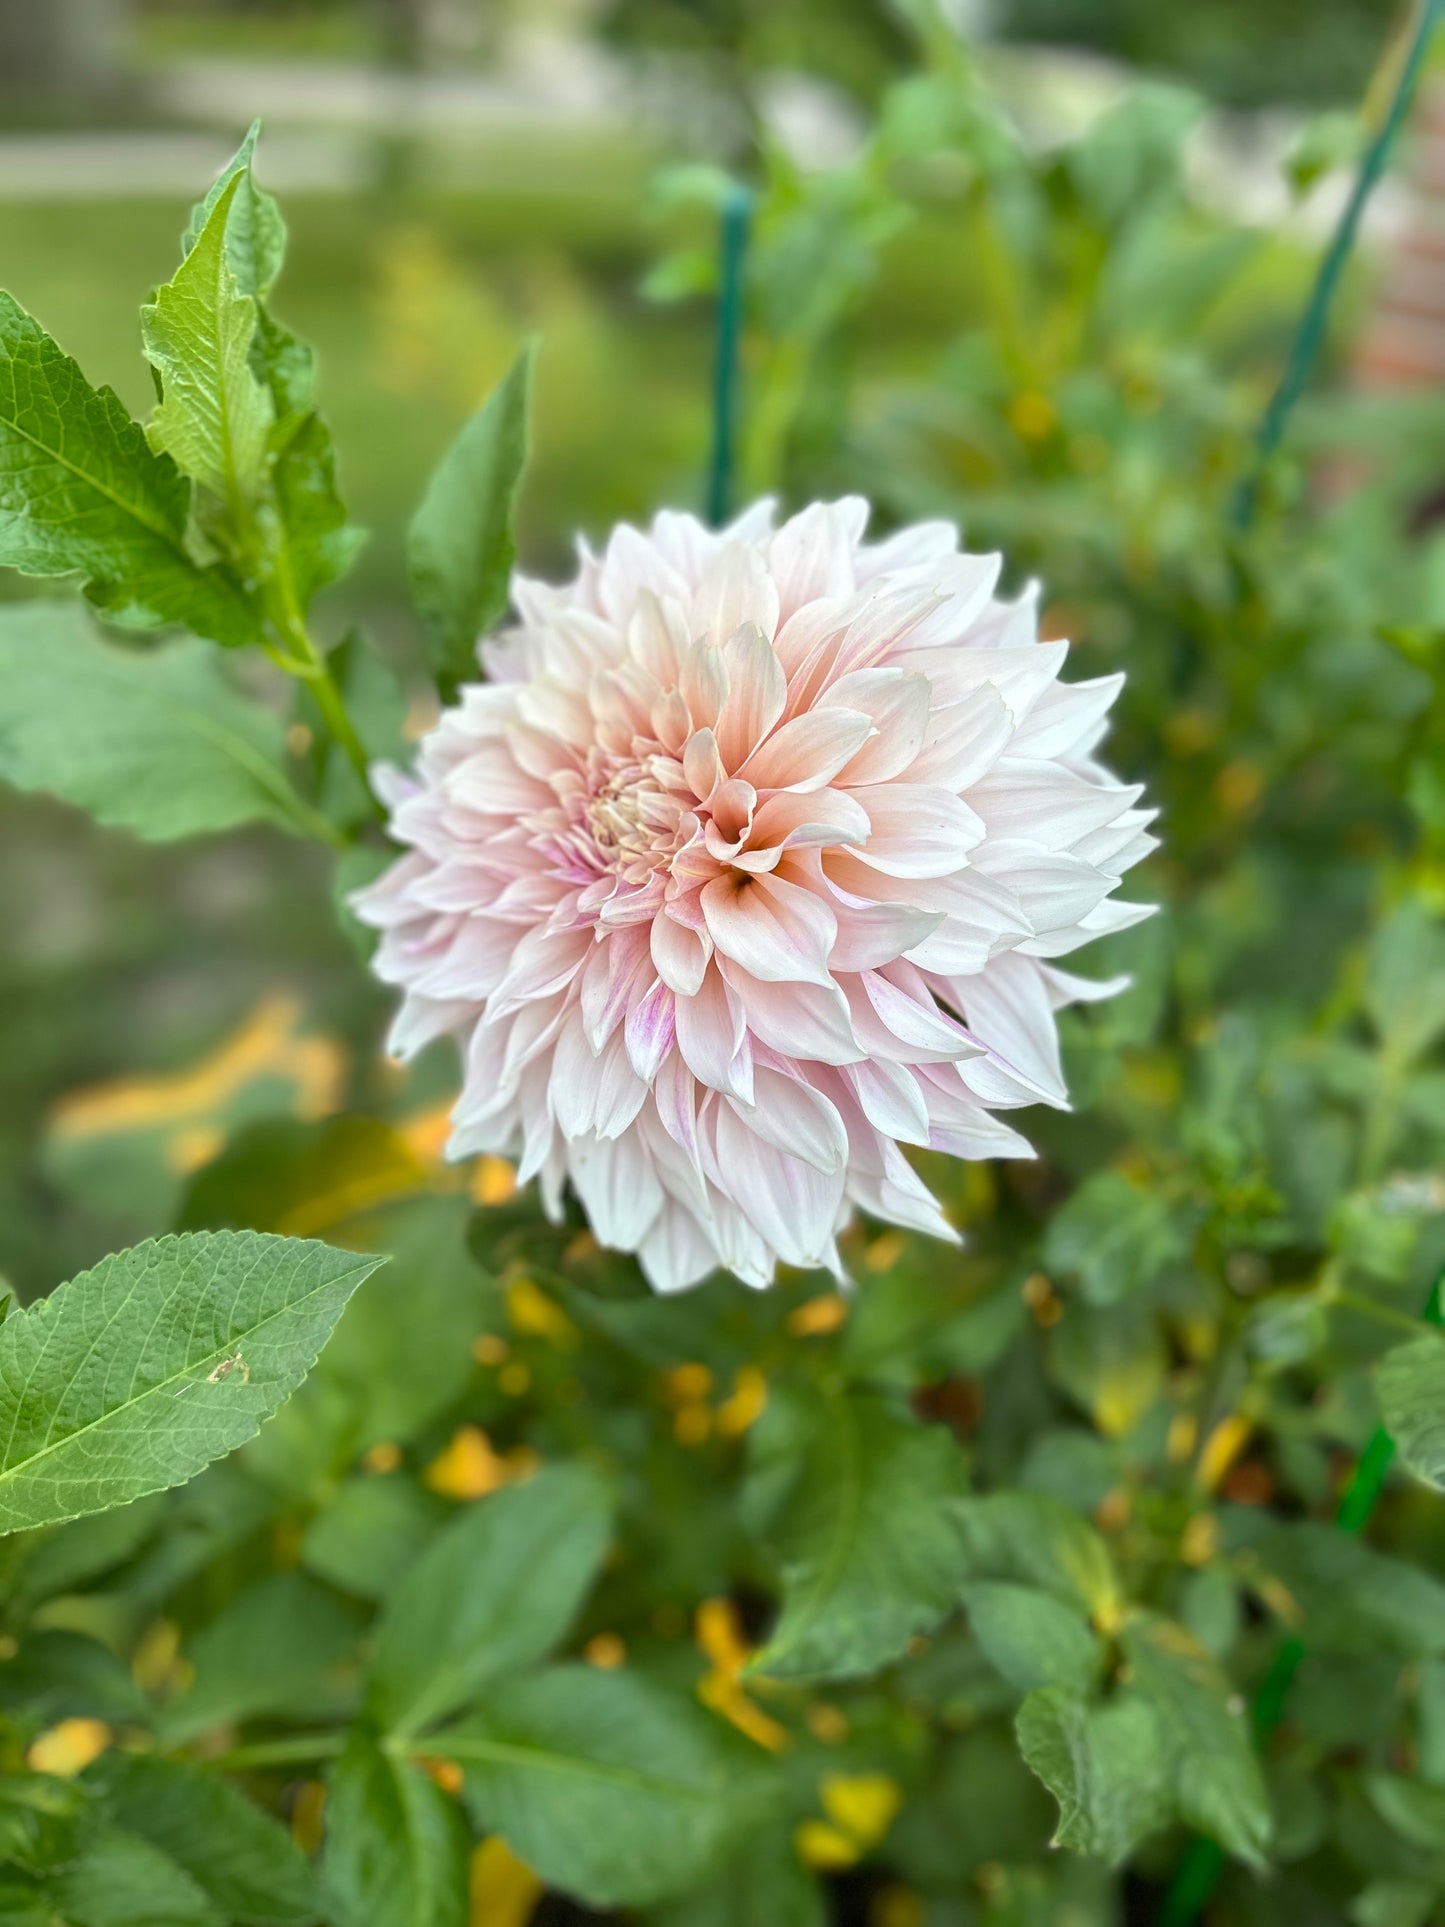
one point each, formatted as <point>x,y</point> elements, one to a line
<point>737,212</point>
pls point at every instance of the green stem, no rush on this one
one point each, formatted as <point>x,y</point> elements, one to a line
<point>1311,331</point>
<point>736,216</point>
<point>300,1749</point>
<point>1356,1301</point>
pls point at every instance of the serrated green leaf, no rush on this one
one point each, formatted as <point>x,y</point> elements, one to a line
<point>858,1502</point>
<point>158,743</point>
<point>1032,1540</point>
<point>611,1787</point>
<point>396,1846</point>
<point>492,1594</point>
<point>1352,1598</point>
<point>372,1533</point>
<point>242,1859</point>
<point>214,416</point>
<point>137,1373</point>
<point>320,546</point>
<point>83,493</point>
<point>1107,1766</point>
<point>460,547</point>
<point>1219,1788</point>
<point>1410,1381</point>
<point>271,1650</point>
<point>1113,1236</point>
<point>1032,1638</point>
<point>120,1880</point>
<point>255,231</point>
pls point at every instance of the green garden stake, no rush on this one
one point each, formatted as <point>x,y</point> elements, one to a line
<point>1202,1865</point>
<point>1311,331</point>
<point>737,211</point>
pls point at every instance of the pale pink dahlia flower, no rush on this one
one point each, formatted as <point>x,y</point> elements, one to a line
<point>748,865</point>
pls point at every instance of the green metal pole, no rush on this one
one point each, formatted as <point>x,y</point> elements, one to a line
<point>737,212</point>
<point>1203,1863</point>
<point>1311,331</point>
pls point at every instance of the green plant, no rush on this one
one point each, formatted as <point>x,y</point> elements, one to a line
<point>748,1606</point>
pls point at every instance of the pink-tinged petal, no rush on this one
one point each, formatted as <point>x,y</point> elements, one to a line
<point>808,1022</point>
<point>807,753</point>
<point>677,1253</point>
<point>1046,803</point>
<point>808,819</point>
<point>601,1092</point>
<point>872,934</point>
<point>812,554</point>
<point>618,1188</point>
<point>736,589</point>
<point>891,1100</point>
<point>731,817</point>
<point>794,1117</point>
<point>614,975</point>
<point>964,584</point>
<point>774,929</point>
<point>703,683</point>
<point>757,691</point>
<point>879,628</point>
<point>543,962</point>
<point>916,830</point>
<point>1019,675</point>
<point>903,1029</point>
<point>631,567</point>
<point>712,1037</point>
<point>810,630</point>
<point>1068,719</point>
<point>1006,1007</point>
<point>963,742</point>
<point>657,636</point>
<point>650,1031</point>
<point>680,954</point>
<point>898,704</point>
<point>793,1207</point>
<point>925,546</point>
<point>702,765</point>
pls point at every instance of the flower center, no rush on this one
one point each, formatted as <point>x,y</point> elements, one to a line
<point>634,822</point>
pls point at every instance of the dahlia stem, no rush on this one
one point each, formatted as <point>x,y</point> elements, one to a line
<point>737,212</point>
<point>1310,334</point>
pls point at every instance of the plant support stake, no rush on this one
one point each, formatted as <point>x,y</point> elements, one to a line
<point>1204,1862</point>
<point>1311,331</point>
<point>737,211</point>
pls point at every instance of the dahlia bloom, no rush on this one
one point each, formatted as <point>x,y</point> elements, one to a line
<point>747,866</point>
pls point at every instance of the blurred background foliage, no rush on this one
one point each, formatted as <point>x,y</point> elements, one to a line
<point>989,280</point>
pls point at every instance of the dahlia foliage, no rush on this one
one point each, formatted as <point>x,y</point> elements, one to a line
<point>749,865</point>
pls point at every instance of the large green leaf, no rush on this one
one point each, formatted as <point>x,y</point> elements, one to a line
<point>493,1593</point>
<point>81,492</point>
<point>214,415</point>
<point>858,1502</point>
<point>1032,1638</point>
<point>120,1880</point>
<point>1411,1383</point>
<point>158,743</point>
<point>615,1790</point>
<point>396,1846</point>
<point>1106,1765</point>
<point>1029,1539</point>
<point>1218,1786</point>
<point>243,1860</point>
<point>158,1360</point>
<point>461,547</point>
<point>274,1649</point>
<point>1113,1236</point>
